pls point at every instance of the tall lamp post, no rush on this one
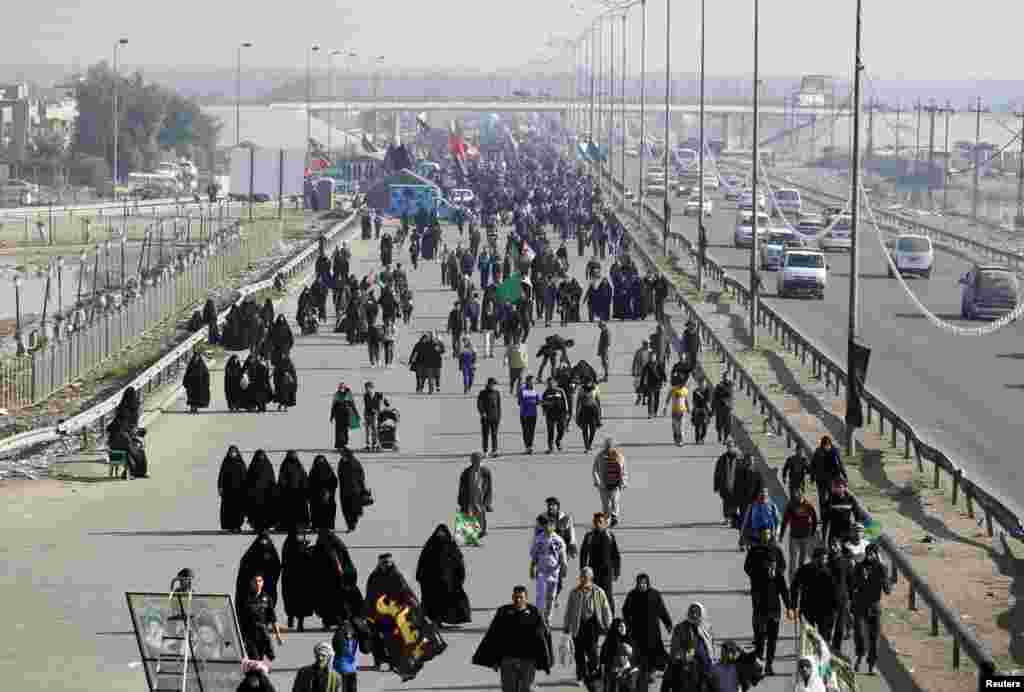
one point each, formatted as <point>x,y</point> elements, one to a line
<point>377,62</point>
<point>701,233</point>
<point>17,315</point>
<point>116,113</point>
<point>755,278</point>
<point>309,98</point>
<point>852,386</point>
<point>948,110</point>
<point>330,98</point>
<point>60,285</point>
<point>667,208</point>
<point>238,90</point>
<point>643,103</point>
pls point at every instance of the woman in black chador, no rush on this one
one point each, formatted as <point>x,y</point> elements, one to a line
<point>261,489</point>
<point>335,581</point>
<point>281,339</point>
<point>645,613</point>
<point>260,559</point>
<point>258,393</point>
<point>293,493</point>
<point>441,572</point>
<point>297,578</point>
<point>351,488</point>
<point>286,383</point>
<point>231,487</point>
<point>197,383</point>
<point>233,392</point>
<point>323,484</point>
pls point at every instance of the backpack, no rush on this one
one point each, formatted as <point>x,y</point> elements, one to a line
<point>613,469</point>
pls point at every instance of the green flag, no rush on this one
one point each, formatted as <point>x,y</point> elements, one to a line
<point>510,290</point>
<point>872,530</point>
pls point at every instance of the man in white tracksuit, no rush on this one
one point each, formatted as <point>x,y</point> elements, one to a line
<point>547,564</point>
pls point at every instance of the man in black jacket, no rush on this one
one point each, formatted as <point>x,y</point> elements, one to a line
<point>840,564</point>
<point>812,593</point>
<point>476,490</point>
<point>795,471</point>
<point>488,405</point>
<point>600,552</point>
<point>842,512</point>
<point>456,324</point>
<point>517,643</point>
<point>869,581</point>
<point>722,403</point>
<point>604,345</point>
<point>555,404</point>
<point>768,593</point>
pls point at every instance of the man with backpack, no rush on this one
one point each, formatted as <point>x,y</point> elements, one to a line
<point>610,478</point>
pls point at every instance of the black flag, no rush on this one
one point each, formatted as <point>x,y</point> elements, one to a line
<point>857,359</point>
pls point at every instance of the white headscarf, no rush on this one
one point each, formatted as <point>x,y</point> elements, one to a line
<point>814,683</point>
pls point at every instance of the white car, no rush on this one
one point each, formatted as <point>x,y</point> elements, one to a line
<point>912,254</point>
<point>746,200</point>
<point>839,237</point>
<point>744,234</point>
<point>802,272</point>
<point>693,206</point>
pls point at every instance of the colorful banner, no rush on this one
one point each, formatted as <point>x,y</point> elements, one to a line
<point>510,290</point>
<point>834,671</point>
<point>409,638</point>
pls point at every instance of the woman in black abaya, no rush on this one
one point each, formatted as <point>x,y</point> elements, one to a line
<point>261,490</point>
<point>231,486</point>
<point>351,488</point>
<point>197,383</point>
<point>441,572</point>
<point>260,559</point>
<point>233,392</point>
<point>323,484</point>
<point>285,383</point>
<point>335,581</point>
<point>645,613</point>
<point>293,493</point>
<point>297,578</point>
<point>281,338</point>
<point>258,394</point>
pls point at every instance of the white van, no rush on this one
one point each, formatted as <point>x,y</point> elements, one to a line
<point>912,254</point>
<point>744,233</point>
<point>802,272</point>
<point>787,201</point>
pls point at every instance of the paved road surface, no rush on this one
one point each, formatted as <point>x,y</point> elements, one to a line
<point>73,552</point>
<point>965,392</point>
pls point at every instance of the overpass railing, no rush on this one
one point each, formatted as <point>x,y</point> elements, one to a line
<point>171,365</point>
<point>964,640</point>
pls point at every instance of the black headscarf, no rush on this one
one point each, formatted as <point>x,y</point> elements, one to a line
<point>292,475</point>
<point>232,472</point>
<point>261,472</point>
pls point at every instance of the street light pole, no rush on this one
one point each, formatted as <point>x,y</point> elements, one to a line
<point>622,96</point>
<point>755,279</point>
<point>643,104</point>
<point>948,110</point>
<point>309,97</point>
<point>330,99</point>
<point>116,112</point>
<point>852,387</point>
<point>701,233</point>
<point>376,87</point>
<point>611,97</point>
<point>978,110</point>
<point>667,207</point>
<point>238,91</point>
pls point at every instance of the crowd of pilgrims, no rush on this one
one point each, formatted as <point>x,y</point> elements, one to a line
<point>833,586</point>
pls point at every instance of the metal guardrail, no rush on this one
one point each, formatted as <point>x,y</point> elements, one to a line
<point>963,639</point>
<point>168,367</point>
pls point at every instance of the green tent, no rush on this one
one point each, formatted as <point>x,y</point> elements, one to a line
<point>510,290</point>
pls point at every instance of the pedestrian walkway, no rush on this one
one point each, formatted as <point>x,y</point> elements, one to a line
<point>75,554</point>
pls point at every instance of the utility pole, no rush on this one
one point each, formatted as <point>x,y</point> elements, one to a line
<point>872,105</point>
<point>611,98</point>
<point>643,105</point>
<point>917,143</point>
<point>977,110</point>
<point>622,95</point>
<point>755,277</point>
<point>852,387</point>
<point>1018,220</point>
<point>899,112</point>
<point>701,233</point>
<point>667,208</point>
<point>931,109</point>
<point>948,110</point>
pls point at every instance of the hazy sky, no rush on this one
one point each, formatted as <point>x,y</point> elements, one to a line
<point>912,39</point>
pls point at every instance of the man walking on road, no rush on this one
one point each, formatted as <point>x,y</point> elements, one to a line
<point>600,552</point>
<point>722,403</point>
<point>812,594</point>
<point>548,564</point>
<point>802,521</point>
<point>768,592</point>
<point>529,402</point>
<point>604,345</point>
<point>826,467</point>
<point>677,400</point>
<point>476,490</point>
<point>517,643</point>
<point>488,405</point>
<point>610,478</point>
<point>869,581</point>
<point>556,411</point>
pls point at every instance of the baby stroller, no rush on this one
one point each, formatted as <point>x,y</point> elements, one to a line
<point>387,429</point>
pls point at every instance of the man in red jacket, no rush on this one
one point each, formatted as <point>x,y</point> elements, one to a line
<point>802,521</point>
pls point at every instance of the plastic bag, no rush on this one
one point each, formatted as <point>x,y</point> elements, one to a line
<point>467,529</point>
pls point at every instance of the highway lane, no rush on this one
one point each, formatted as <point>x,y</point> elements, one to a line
<point>965,392</point>
<point>74,550</point>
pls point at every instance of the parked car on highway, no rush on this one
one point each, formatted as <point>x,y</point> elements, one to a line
<point>803,272</point>
<point>988,292</point>
<point>693,206</point>
<point>744,235</point>
<point>746,200</point>
<point>839,237</point>
<point>912,254</point>
<point>773,247</point>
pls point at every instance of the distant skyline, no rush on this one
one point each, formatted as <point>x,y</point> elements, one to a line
<point>909,39</point>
